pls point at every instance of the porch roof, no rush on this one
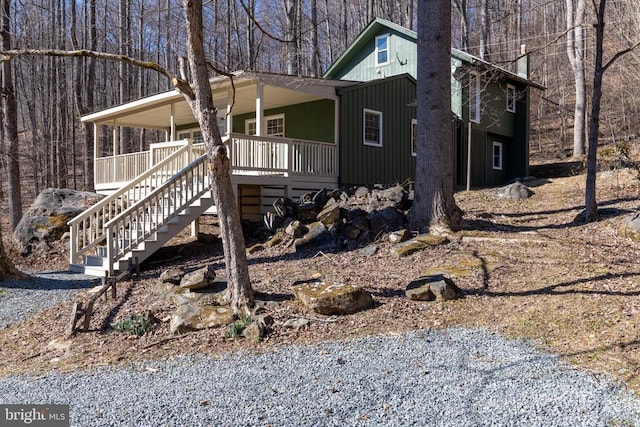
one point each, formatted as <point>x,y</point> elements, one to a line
<point>279,90</point>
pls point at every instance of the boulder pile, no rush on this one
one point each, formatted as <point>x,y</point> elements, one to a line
<point>339,219</point>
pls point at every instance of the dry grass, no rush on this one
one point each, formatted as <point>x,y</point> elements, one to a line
<point>527,268</point>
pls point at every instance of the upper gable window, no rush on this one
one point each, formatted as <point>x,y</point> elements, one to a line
<point>511,98</point>
<point>382,50</point>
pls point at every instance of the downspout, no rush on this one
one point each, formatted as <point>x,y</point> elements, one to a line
<point>469,156</point>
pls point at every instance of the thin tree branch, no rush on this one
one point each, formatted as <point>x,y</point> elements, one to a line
<point>233,85</point>
<point>615,57</point>
<point>180,84</point>
<point>261,28</point>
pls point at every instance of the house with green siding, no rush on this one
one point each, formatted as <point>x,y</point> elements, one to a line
<point>287,136</point>
<point>490,112</point>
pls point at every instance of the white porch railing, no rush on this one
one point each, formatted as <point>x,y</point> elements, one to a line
<point>250,155</point>
<point>87,229</point>
<point>149,214</point>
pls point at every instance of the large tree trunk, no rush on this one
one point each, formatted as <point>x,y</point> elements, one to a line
<point>590,203</point>
<point>90,85</point>
<point>10,122</point>
<point>575,53</point>
<point>7,269</point>
<point>434,207</point>
<point>201,103</point>
<point>291,12</point>
<point>485,25</point>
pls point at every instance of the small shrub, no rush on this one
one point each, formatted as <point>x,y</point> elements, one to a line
<point>135,325</point>
<point>235,329</point>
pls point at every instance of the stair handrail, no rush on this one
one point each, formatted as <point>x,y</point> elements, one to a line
<point>114,204</point>
<point>129,221</point>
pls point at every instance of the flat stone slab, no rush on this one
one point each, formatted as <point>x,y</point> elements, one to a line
<point>193,317</point>
<point>431,288</point>
<point>330,298</point>
<point>416,244</point>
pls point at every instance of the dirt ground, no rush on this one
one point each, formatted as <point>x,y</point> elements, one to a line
<point>528,270</point>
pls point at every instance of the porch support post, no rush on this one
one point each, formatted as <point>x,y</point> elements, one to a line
<point>116,138</point>
<point>195,227</point>
<point>172,122</point>
<point>229,117</point>
<point>336,135</point>
<point>259,108</point>
<point>96,138</point>
<point>116,147</point>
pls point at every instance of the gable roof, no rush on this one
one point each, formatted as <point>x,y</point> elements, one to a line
<point>378,24</point>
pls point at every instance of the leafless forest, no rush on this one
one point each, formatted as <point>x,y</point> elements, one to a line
<point>289,36</point>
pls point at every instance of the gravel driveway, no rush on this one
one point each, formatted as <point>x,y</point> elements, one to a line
<point>456,377</point>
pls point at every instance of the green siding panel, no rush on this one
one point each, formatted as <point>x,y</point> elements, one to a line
<point>393,162</point>
<point>314,121</point>
<point>403,59</point>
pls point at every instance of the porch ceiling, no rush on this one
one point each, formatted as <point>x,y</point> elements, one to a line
<point>154,112</point>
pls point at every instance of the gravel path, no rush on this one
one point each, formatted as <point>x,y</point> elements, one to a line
<point>457,377</point>
<point>20,299</point>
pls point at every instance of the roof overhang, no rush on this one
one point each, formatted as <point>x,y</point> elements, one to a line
<point>279,90</point>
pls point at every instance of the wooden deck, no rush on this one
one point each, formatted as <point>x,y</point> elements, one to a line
<point>288,162</point>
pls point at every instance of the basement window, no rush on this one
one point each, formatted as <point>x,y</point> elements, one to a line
<point>372,129</point>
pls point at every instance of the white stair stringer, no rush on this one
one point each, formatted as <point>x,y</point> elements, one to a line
<point>135,234</point>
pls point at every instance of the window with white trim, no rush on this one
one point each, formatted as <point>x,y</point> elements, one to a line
<point>195,135</point>
<point>382,50</point>
<point>474,97</point>
<point>511,98</point>
<point>273,126</point>
<point>497,155</point>
<point>414,137</point>
<point>372,128</point>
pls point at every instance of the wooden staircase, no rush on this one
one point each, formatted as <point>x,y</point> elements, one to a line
<point>127,227</point>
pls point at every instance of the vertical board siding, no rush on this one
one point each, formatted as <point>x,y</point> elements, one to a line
<point>393,162</point>
<point>313,121</point>
<point>403,59</point>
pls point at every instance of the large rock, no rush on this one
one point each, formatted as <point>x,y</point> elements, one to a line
<point>46,220</point>
<point>199,279</point>
<point>329,215</point>
<point>172,276</point>
<point>388,219</point>
<point>515,191</point>
<point>333,298</point>
<point>431,288</point>
<point>192,317</point>
<point>317,235</point>
<point>630,227</point>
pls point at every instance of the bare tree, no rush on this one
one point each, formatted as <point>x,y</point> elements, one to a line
<point>201,103</point>
<point>434,207</point>
<point>590,202</point>
<point>10,121</point>
<point>576,55</point>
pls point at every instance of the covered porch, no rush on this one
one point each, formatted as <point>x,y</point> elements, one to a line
<point>279,130</point>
